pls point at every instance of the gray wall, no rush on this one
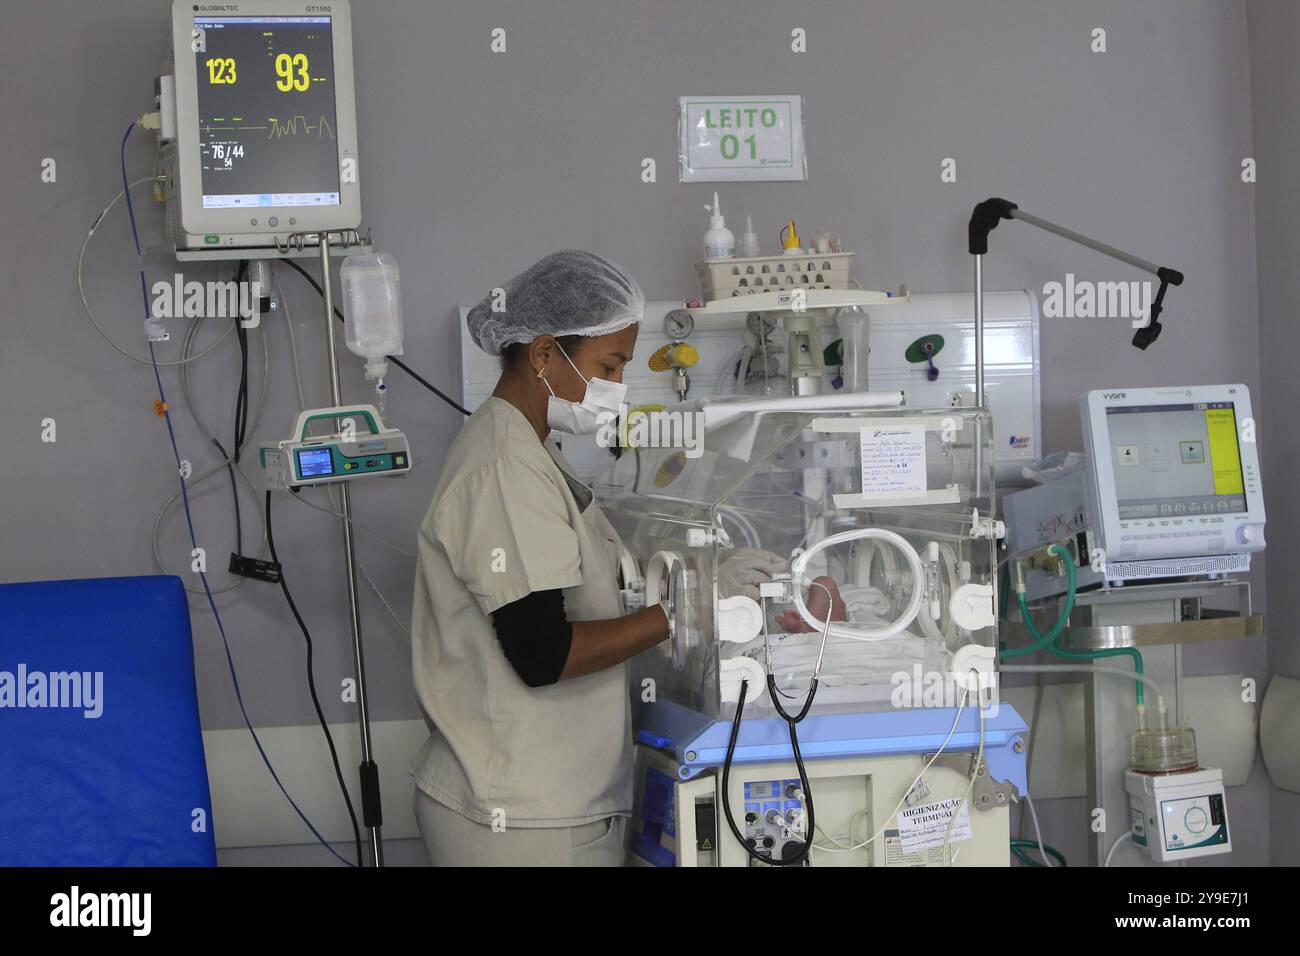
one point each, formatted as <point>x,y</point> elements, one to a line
<point>1275,92</point>
<point>476,164</point>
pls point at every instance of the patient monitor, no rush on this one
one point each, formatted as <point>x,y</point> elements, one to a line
<point>261,141</point>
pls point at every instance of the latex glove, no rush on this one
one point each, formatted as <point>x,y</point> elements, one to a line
<point>742,570</point>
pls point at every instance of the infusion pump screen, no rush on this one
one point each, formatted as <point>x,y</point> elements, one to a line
<point>1176,460</point>
<point>267,134</point>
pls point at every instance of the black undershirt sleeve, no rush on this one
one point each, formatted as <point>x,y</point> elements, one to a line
<point>535,635</point>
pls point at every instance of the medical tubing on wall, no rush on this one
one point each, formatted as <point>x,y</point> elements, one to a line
<point>85,304</point>
<point>227,461</point>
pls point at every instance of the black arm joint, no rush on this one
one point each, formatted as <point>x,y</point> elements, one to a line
<point>984,219</point>
<point>1144,336</point>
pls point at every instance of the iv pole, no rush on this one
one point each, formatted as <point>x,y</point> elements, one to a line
<point>371,808</point>
<point>985,218</point>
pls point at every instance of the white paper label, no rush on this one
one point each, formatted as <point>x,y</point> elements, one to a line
<point>923,827</point>
<point>893,460</point>
<point>896,856</point>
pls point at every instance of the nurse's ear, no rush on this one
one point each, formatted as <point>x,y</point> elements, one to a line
<point>541,355</point>
<point>548,366</point>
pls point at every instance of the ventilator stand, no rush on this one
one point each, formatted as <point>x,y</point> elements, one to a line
<point>1108,754</point>
<point>371,809</point>
<point>985,218</point>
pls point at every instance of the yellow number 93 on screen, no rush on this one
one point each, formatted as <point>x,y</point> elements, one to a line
<point>292,72</point>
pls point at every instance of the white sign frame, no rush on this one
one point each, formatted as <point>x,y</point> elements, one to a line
<point>776,151</point>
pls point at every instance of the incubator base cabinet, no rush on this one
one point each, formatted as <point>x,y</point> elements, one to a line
<point>782,511</point>
<point>680,822</point>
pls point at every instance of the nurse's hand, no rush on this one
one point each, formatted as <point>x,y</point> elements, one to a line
<point>742,570</point>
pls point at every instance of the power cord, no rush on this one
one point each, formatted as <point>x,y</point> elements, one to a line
<point>311,679</point>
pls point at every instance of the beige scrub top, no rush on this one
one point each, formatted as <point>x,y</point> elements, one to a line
<point>508,518</point>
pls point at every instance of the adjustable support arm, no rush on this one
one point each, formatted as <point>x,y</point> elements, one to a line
<point>986,216</point>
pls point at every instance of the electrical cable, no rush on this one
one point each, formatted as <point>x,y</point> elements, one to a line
<point>1127,835</point>
<point>189,517</point>
<point>293,342</point>
<point>1040,692</point>
<point>311,681</point>
<point>195,481</point>
<point>241,395</point>
<point>85,304</point>
<point>234,490</point>
<point>352,521</point>
<point>241,413</point>
<point>840,848</point>
<point>398,362</point>
<point>1038,831</point>
<point>384,601</point>
<point>974,772</point>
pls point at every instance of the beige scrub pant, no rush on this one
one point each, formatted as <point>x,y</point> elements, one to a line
<point>454,840</point>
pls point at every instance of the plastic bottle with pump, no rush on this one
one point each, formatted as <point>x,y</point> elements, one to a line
<point>719,243</point>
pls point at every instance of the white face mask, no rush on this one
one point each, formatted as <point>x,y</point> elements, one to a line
<point>600,404</point>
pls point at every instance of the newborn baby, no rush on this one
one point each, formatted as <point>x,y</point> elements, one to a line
<point>848,602</point>
<point>818,600</point>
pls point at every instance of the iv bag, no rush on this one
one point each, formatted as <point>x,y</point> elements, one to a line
<point>372,309</point>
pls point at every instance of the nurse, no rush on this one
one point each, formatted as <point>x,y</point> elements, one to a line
<point>519,633</point>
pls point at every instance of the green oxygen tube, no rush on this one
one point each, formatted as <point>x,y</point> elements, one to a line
<point>1048,641</point>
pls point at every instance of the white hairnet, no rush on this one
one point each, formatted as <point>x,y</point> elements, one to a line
<point>567,293</point>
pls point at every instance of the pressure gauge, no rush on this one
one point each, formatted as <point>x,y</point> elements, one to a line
<point>678,324</point>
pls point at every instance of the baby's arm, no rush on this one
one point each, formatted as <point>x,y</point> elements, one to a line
<point>818,600</point>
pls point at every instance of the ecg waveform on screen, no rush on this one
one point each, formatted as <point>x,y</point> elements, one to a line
<point>299,125</point>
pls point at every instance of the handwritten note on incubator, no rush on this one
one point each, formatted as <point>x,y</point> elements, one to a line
<point>893,460</point>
